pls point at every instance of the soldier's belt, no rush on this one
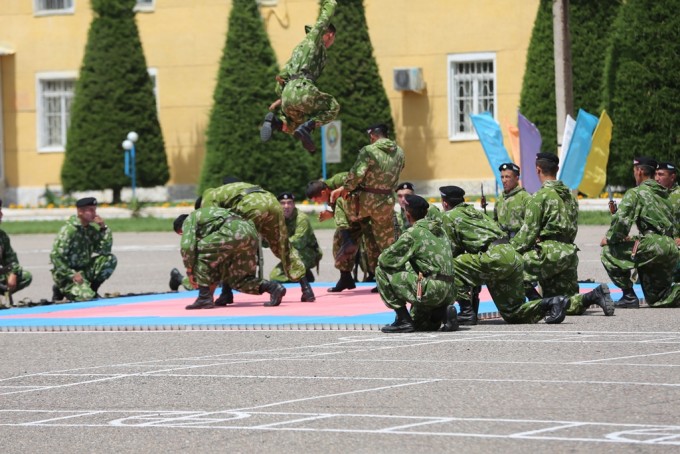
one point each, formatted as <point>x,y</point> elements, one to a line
<point>375,190</point>
<point>441,277</point>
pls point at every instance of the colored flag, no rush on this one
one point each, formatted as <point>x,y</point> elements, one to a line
<point>575,160</point>
<point>595,175</point>
<point>490,136</point>
<point>513,134</point>
<point>569,125</point>
<point>529,145</point>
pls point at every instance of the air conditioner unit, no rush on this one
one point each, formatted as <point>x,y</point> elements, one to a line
<point>408,79</point>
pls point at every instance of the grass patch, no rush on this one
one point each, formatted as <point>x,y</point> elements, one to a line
<point>594,218</point>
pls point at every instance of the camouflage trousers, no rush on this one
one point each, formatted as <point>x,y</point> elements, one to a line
<point>400,287</point>
<point>264,210</point>
<point>24,279</point>
<point>502,270</point>
<point>95,273</point>
<point>230,259</point>
<point>301,100</point>
<point>362,234</point>
<point>555,266</point>
<point>655,260</point>
<point>379,210</point>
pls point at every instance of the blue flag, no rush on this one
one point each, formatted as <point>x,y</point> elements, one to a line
<point>489,132</point>
<point>577,154</point>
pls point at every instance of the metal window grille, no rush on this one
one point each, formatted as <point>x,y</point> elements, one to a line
<point>56,99</point>
<point>474,92</point>
<point>50,5</point>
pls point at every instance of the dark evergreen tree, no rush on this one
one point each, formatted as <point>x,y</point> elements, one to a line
<point>113,96</point>
<point>244,91</point>
<point>352,77</point>
<point>642,88</point>
<point>589,27</point>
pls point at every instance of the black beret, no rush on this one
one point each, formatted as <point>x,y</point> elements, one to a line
<point>416,202</point>
<point>380,127</point>
<point>286,196</point>
<point>661,166</point>
<point>509,166</point>
<point>645,161</point>
<point>452,192</point>
<point>86,202</point>
<point>548,157</point>
<point>405,185</point>
<point>178,222</point>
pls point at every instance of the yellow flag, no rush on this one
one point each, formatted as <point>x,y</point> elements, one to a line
<point>595,174</point>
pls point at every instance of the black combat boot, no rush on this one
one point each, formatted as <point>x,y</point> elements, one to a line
<point>370,277</point>
<point>175,279</point>
<point>346,282</point>
<point>450,322</point>
<point>226,297</point>
<point>271,123</point>
<point>309,276</point>
<point>95,288</point>
<point>276,292</point>
<point>375,290</point>
<point>467,315</point>
<point>304,133</point>
<point>403,323</point>
<point>531,293</point>
<point>307,293</point>
<point>600,296</point>
<point>348,247</point>
<point>204,300</point>
<point>555,308</point>
<point>56,294</point>
<point>629,300</point>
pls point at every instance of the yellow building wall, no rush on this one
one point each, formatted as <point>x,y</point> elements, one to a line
<point>184,40</point>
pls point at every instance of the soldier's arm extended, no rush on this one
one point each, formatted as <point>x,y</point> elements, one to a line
<point>528,235</point>
<point>623,219</point>
<point>357,173</point>
<point>396,256</point>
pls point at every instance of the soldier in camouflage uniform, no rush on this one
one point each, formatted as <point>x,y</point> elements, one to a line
<point>218,246</point>
<point>349,231</point>
<point>653,253</point>
<point>301,106</point>
<point>371,183</point>
<point>667,176</point>
<point>508,211</point>
<point>302,239</point>
<point>546,241</point>
<point>81,254</point>
<point>402,224</point>
<point>260,207</point>
<point>418,269</point>
<point>483,255</point>
<point>12,276</point>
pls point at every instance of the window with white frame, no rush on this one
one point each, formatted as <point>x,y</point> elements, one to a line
<point>54,96</point>
<point>472,90</point>
<point>145,5</point>
<point>53,6</point>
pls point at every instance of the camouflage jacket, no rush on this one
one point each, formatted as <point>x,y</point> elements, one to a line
<point>403,224</point>
<point>309,57</point>
<point>469,230</point>
<point>509,209</point>
<point>674,197</point>
<point>378,166</point>
<point>8,258</point>
<point>422,248</point>
<point>75,245</point>
<point>226,196</point>
<point>205,222</point>
<point>551,214</point>
<point>647,206</point>
<point>302,238</point>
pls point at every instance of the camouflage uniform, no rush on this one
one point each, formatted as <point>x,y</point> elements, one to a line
<point>218,246</point>
<point>10,264</point>
<point>301,100</point>
<point>482,255</point>
<point>422,248</point>
<point>371,182</point>
<point>508,211</point>
<point>674,198</point>
<point>302,239</point>
<point>546,241</point>
<point>264,210</point>
<point>81,249</point>
<point>647,206</point>
<point>402,223</point>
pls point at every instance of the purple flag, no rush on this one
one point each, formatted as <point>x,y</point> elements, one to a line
<point>529,145</point>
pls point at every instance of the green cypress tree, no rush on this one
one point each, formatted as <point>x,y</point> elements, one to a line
<point>113,95</point>
<point>642,88</point>
<point>244,90</point>
<point>352,77</point>
<point>589,27</point>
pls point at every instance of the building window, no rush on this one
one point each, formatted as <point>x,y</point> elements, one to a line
<point>54,96</point>
<point>145,5</point>
<point>472,90</point>
<point>54,6</point>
